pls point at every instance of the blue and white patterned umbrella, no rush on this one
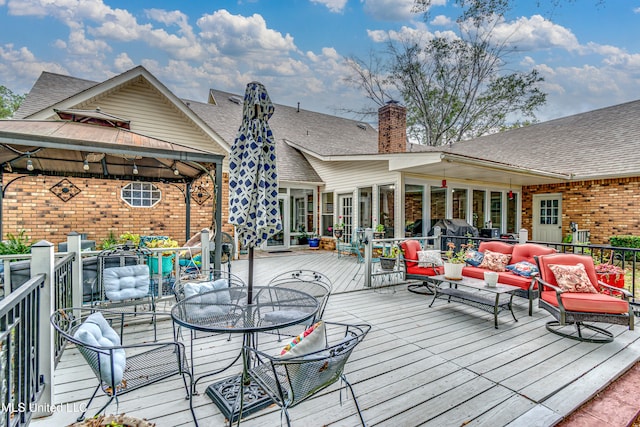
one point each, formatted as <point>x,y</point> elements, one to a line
<point>253,176</point>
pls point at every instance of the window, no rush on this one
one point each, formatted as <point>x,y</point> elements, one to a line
<point>346,215</point>
<point>512,213</point>
<point>302,208</point>
<point>365,198</point>
<point>387,208</point>
<point>413,201</point>
<point>459,197</point>
<point>479,218</point>
<point>438,204</point>
<point>549,212</point>
<point>141,194</point>
<point>496,209</point>
<point>327,214</point>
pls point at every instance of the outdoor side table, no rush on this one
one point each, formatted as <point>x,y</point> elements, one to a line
<point>226,311</point>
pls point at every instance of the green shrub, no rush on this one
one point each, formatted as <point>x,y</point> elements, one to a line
<point>16,244</point>
<point>626,241</point>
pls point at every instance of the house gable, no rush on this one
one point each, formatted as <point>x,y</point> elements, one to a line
<point>136,96</point>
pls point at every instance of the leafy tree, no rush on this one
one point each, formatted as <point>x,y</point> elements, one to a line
<point>9,102</point>
<point>454,88</point>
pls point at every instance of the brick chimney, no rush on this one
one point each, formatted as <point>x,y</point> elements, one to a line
<point>392,128</point>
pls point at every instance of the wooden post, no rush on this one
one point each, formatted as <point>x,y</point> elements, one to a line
<point>43,262</point>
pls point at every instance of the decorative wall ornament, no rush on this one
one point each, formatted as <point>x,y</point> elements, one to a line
<point>65,190</point>
<point>200,194</point>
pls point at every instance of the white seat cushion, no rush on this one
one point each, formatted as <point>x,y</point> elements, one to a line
<point>95,331</point>
<point>127,282</point>
<point>209,303</point>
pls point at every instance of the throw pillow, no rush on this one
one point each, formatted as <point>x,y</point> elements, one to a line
<point>523,268</point>
<point>95,331</point>
<point>495,261</point>
<point>473,257</point>
<point>572,278</point>
<point>429,258</point>
<point>311,340</point>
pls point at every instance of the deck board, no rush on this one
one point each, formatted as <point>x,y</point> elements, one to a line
<point>440,366</point>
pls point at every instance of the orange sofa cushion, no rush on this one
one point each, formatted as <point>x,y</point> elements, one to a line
<point>567,259</point>
<point>505,277</point>
<point>496,246</point>
<point>587,302</point>
<point>526,252</point>
<point>519,252</point>
<point>410,250</point>
<point>425,271</point>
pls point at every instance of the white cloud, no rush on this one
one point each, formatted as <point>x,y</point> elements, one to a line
<point>535,33</point>
<point>122,62</point>
<point>336,6</point>
<point>389,10</point>
<point>442,21</point>
<point>237,34</point>
<point>19,68</point>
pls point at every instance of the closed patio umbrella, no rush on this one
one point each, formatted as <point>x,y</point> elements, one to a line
<point>253,176</point>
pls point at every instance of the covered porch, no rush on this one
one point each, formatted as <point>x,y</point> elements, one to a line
<point>444,366</point>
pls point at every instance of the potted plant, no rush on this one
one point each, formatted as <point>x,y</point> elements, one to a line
<point>610,274</point>
<point>167,256</point>
<point>378,233</point>
<point>455,261</point>
<point>314,241</point>
<point>389,257</point>
<point>110,242</point>
<point>338,228</point>
<point>130,239</point>
<point>303,237</point>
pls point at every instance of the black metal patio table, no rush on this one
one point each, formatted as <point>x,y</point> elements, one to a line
<point>226,311</point>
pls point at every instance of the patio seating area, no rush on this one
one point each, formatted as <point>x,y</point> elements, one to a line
<point>443,366</point>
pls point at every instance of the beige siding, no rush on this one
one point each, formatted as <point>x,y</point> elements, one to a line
<point>152,114</point>
<point>344,177</point>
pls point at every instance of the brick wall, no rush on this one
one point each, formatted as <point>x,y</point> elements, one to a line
<point>606,207</point>
<point>98,209</point>
<point>392,128</point>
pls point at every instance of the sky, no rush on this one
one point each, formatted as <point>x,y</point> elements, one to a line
<point>588,51</point>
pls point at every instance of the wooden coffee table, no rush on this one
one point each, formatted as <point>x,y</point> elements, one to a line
<point>476,293</point>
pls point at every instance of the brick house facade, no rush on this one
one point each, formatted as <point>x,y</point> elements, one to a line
<point>605,207</point>
<point>98,210</point>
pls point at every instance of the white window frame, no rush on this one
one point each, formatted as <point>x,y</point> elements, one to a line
<point>146,194</point>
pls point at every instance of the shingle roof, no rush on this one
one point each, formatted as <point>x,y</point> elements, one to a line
<point>599,143</point>
<point>50,89</point>
<point>318,133</point>
<point>225,118</point>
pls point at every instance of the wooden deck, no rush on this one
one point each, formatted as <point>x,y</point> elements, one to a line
<point>440,366</point>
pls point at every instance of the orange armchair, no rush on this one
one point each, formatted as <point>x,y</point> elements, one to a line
<point>573,295</point>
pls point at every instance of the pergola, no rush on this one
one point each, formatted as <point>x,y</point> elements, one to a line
<point>101,150</point>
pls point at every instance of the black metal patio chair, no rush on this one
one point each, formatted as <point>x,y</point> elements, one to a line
<point>119,368</point>
<point>311,282</point>
<point>290,381</point>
